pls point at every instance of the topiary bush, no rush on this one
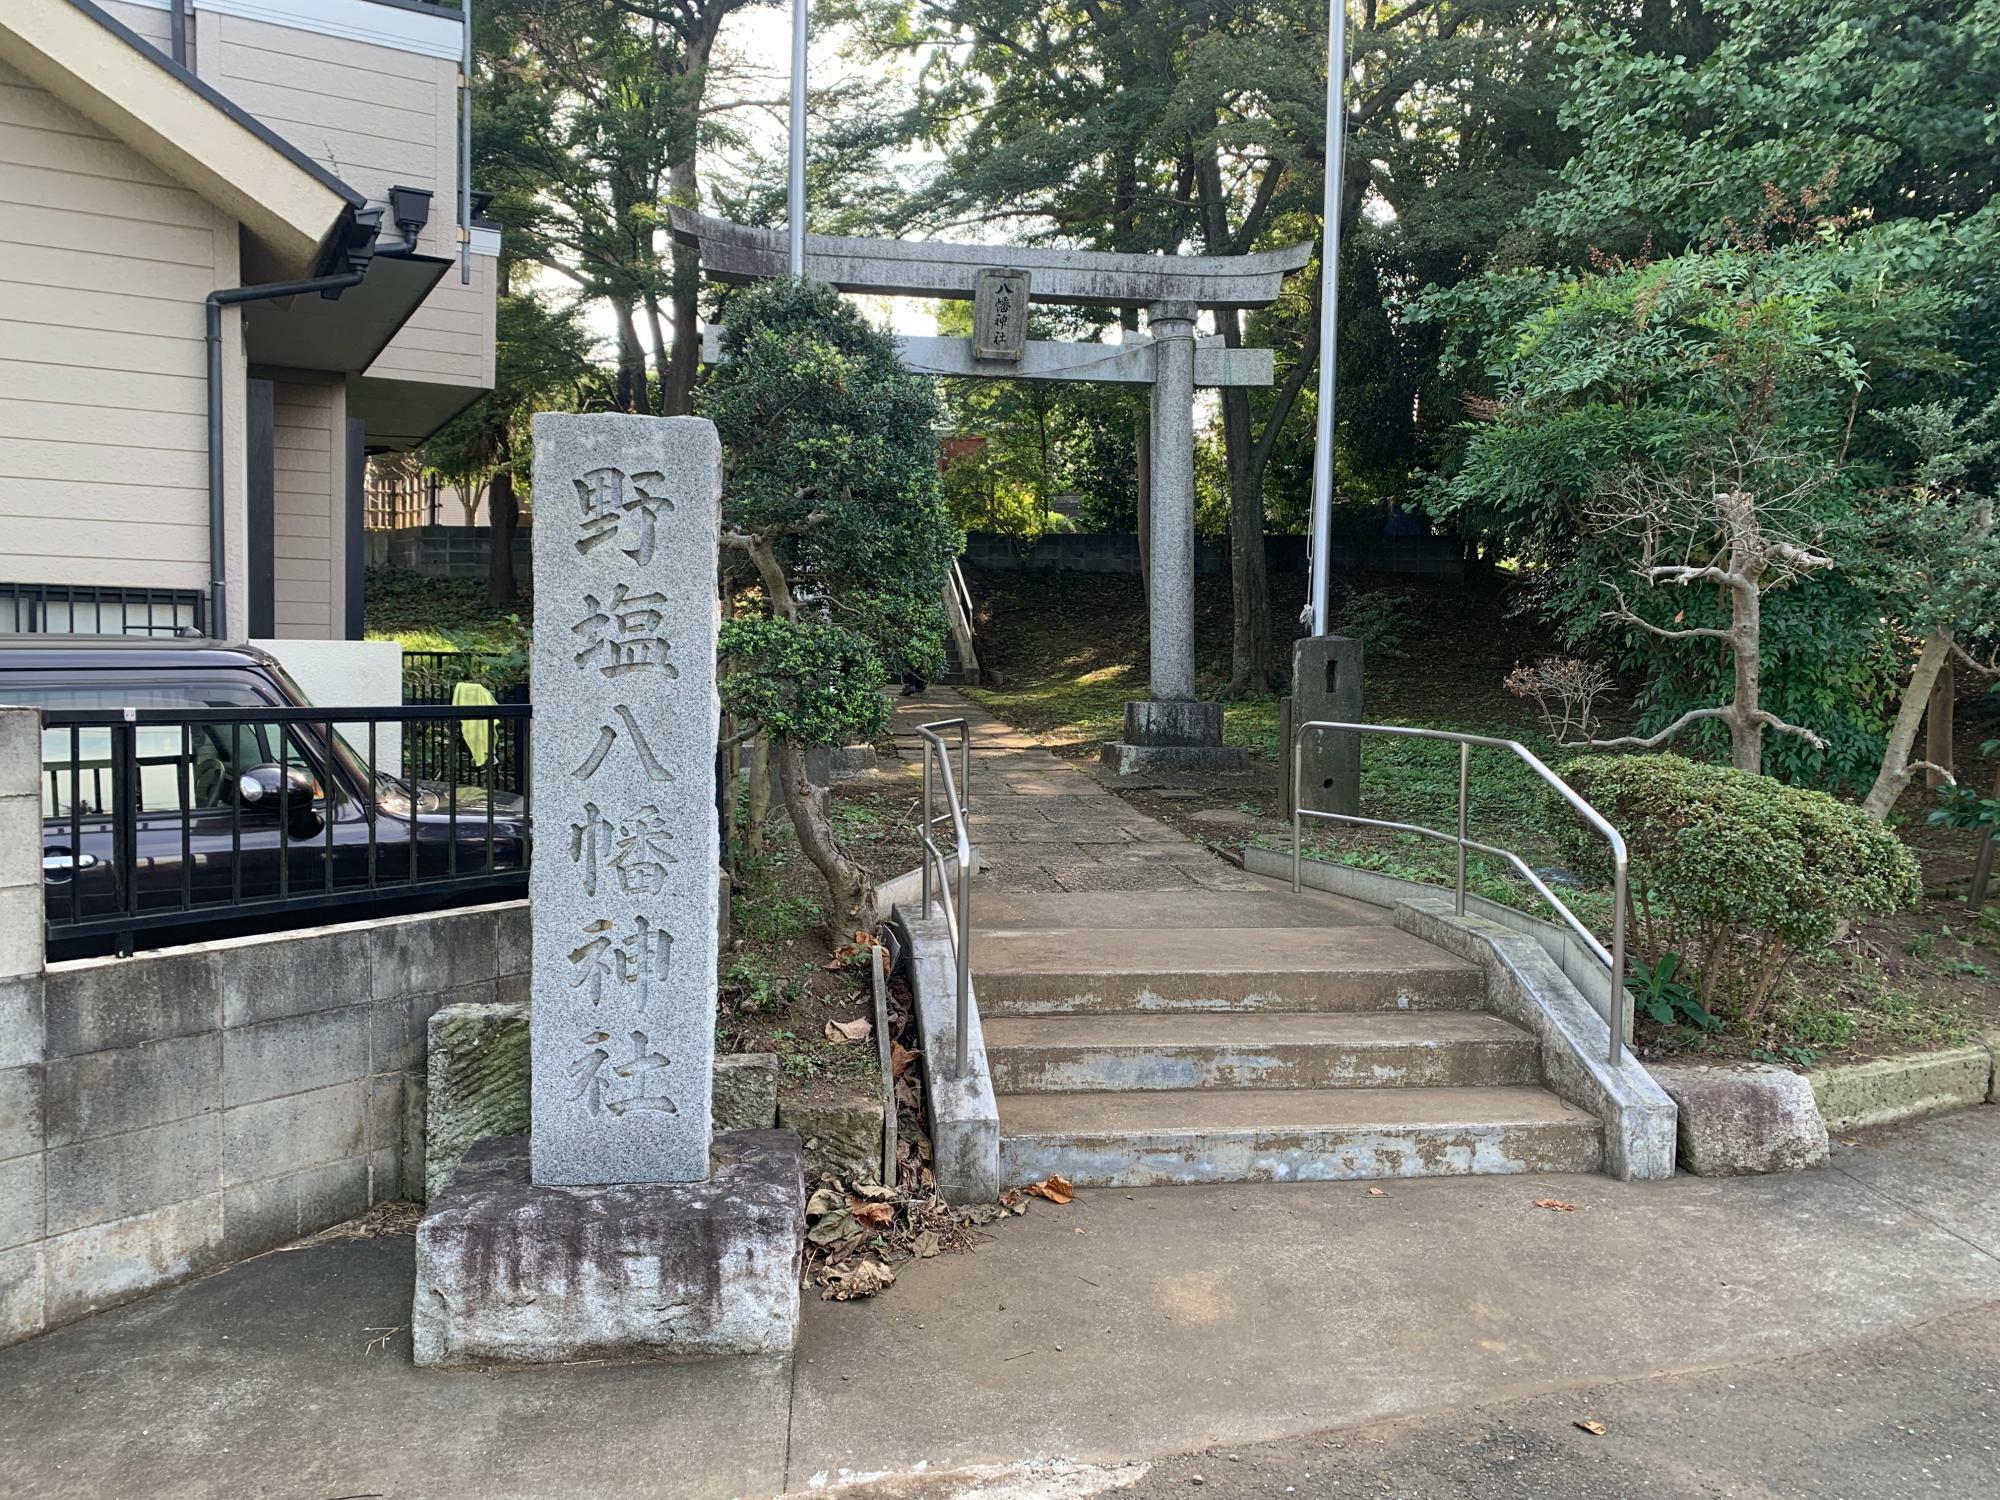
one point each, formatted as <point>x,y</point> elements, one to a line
<point>1737,873</point>
<point>803,681</point>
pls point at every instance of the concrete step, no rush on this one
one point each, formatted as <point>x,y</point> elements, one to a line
<point>1153,1139</point>
<point>1027,911</point>
<point>1086,971</point>
<point>1439,1049</point>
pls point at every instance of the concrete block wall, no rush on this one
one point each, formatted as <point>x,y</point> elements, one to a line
<point>461,552</point>
<point>1118,552</point>
<point>445,551</point>
<point>166,1114</point>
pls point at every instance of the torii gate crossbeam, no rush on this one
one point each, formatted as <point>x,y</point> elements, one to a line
<point>1172,730</point>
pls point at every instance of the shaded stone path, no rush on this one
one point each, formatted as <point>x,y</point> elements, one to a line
<point>1042,824</point>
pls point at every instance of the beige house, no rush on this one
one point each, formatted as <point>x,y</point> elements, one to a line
<point>183,431</point>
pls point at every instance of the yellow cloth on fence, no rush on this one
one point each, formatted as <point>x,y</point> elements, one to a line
<point>477,733</point>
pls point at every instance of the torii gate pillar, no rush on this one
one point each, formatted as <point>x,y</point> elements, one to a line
<point>1172,730</point>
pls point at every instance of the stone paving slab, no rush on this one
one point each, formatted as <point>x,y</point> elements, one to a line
<point>1046,825</point>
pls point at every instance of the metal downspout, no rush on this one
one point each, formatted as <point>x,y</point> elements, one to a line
<point>218,510</point>
<point>465,151</point>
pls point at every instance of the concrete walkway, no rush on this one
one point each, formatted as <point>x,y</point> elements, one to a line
<point>1133,1323</point>
<point>1129,1324</point>
<point>1042,824</point>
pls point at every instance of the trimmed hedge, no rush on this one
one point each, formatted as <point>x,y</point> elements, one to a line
<point>1737,873</point>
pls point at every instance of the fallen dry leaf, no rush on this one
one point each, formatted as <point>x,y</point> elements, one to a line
<point>1556,1204</point>
<point>1377,1193</point>
<point>856,1030</point>
<point>864,1278</point>
<point>873,1215</point>
<point>833,1229</point>
<point>1595,1429</point>
<point>825,1201</point>
<point>900,1059</point>
<point>1056,1189</point>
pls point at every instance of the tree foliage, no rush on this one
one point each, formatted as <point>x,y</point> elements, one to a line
<point>831,495</point>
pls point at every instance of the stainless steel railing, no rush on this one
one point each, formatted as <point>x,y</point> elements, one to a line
<point>1613,960</point>
<point>958,617</point>
<point>957,915</point>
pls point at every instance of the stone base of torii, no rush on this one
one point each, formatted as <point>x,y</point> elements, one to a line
<point>1171,730</point>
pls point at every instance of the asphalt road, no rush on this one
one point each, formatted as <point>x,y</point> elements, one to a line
<point>1914,1414</point>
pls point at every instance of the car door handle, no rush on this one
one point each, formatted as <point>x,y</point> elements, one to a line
<point>63,864</point>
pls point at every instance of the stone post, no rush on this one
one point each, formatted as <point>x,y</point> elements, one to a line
<point>1170,602</point>
<point>622,887</point>
<point>1327,680</point>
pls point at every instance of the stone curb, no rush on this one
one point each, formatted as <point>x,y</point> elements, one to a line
<point>1904,1088</point>
<point>965,1117</point>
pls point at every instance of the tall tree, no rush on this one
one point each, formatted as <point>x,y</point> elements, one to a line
<point>1171,125</point>
<point>541,361</point>
<point>593,112</point>
<point>830,491</point>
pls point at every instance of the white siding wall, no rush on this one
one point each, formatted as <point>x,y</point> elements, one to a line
<point>150,21</point>
<point>104,262</point>
<point>309,542</point>
<point>377,117</point>
<point>450,338</point>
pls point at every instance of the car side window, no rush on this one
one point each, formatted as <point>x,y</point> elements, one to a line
<point>181,768</point>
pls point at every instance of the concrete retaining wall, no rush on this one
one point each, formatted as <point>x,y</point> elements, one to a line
<point>1118,552</point>
<point>462,551</point>
<point>165,1114</point>
<point>446,551</point>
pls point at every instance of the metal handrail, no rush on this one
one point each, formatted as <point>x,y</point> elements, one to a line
<point>1613,960</point>
<point>964,596</point>
<point>958,917</point>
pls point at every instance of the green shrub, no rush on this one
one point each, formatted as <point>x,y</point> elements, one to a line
<point>1737,873</point>
<point>803,681</point>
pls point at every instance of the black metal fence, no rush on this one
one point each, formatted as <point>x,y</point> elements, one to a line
<point>430,676</point>
<point>171,825</point>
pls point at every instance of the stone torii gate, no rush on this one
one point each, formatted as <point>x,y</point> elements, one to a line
<point>1171,730</point>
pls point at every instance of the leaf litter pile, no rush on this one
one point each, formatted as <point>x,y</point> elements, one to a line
<point>858,1234</point>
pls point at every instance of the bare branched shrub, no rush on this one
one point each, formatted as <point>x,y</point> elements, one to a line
<point>1740,522</point>
<point>1565,690</point>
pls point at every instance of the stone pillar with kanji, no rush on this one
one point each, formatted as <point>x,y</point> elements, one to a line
<point>622,888</point>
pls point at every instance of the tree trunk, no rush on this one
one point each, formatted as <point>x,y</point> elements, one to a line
<point>503,514</point>
<point>630,392</point>
<point>1250,659</point>
<point>1746,724</point>
<point>677,380</point>
<point>850,884</point>
<point>1896,773</point>
<point>1940,727</point>
<point>757,800</point>
<point>656,325</point>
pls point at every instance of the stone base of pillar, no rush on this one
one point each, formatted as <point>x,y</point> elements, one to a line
<point>511,1273</point>
<point>1165,737</point>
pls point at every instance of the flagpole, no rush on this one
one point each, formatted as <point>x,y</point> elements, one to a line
<point>1329,310</point>
<point>796,194</point>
